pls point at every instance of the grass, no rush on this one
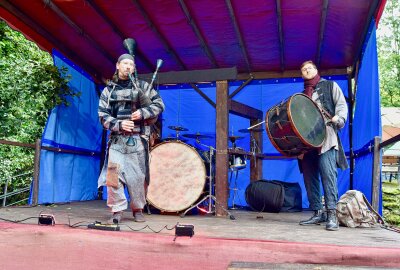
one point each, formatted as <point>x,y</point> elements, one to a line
<point>391,202</point>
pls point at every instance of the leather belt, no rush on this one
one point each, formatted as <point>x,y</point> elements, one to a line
<point>125,133</point>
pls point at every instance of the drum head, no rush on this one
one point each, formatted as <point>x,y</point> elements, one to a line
<point>307,120</point>
<point>177,176</point>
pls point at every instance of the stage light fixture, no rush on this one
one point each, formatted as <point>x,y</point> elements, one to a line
<point>184,230</point>
<point>46,219</point>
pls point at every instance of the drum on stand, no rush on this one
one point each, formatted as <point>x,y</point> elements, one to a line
<point>295,126</point>
<point>177,176</point>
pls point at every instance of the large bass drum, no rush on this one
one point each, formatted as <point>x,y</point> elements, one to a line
<point>177,176</point>
<point>295,126</point>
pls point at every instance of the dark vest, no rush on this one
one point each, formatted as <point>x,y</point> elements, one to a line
<point>324,90</point>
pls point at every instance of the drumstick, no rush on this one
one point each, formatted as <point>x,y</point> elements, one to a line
<point>256,125</point>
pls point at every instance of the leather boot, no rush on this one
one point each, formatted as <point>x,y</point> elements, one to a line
<point>332,223</point>
<point>115,218</point>
<point>139,217</point>
<point>318,217</point>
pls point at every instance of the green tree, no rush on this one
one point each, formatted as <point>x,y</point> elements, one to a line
<point>30,86</point>
<point>388,36</point>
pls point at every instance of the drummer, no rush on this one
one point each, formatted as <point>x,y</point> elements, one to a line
<point>324,161</point>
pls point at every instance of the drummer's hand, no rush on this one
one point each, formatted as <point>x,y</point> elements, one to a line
<point>136,115</point>
<point>335,119</point>
<point>127,125</point>
<point>338,121</point>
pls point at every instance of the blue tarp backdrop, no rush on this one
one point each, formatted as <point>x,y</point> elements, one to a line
<point>367,117</point>
<point>67,177</point>
<point>188,109</point>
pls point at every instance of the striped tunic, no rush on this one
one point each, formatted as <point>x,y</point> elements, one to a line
<point>117,102</point>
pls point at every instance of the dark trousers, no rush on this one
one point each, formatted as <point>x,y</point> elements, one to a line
<point>320,166</point>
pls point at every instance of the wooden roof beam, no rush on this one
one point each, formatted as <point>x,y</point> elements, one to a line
<point>234,93</point>
<point>322,31</point>
<point>289,74</point>
<point>196,30</point>
<point>194,76</point>
<point>100,12</point>
<point>203,95</point>
<point>49,37</point>
<point>281,42</point>
<point>80,31</point>
<point>238,34</point>
<point>155,30</point>
<point>244,110</point>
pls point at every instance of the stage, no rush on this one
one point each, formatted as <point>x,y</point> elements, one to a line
<point>252,241</point>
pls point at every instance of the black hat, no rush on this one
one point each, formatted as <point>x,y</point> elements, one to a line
<point>125,56</point>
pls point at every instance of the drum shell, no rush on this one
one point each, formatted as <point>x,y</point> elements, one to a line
<point>295,126</point>
<point>177,176</point>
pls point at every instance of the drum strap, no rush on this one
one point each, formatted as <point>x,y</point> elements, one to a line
<point>147,155</point>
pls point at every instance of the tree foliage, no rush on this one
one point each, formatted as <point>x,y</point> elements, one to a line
<point>30,86</point>
<point>388,36</point>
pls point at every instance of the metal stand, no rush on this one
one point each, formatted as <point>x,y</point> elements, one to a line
<point>254,148</point>
<point>212,200</point>
<point>177,134</point>
<point>234,167</point>
<point>254,145</point>
<point>234,188</point>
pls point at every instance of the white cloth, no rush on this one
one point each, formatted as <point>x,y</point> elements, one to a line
<point>132,173</point>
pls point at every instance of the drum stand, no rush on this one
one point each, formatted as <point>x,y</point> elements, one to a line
<point>211,198</point>
<point>254,148</point>
<point>254,145</point>
<point>234,188</point>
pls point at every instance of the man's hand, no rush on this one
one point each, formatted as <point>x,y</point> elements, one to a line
<point>335,119</point>
<point>136,115</point>
<point>338,121</point>
<point>127,125</point>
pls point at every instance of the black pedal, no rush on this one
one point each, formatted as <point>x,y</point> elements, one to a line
<point>184,230</point>
<point>104,227</point>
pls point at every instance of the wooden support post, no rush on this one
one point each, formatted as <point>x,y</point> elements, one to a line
<point>351,96</point>
<point>256,164</point>
<point>376,174</point>
<point>36,172</point>
<point>221,160</point>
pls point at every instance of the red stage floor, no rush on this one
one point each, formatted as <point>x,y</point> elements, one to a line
<point>275,238</point>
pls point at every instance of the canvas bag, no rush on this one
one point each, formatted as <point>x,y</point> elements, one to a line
<point>353,210</point>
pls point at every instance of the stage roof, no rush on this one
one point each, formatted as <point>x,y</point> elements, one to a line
<point>257,36</point>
